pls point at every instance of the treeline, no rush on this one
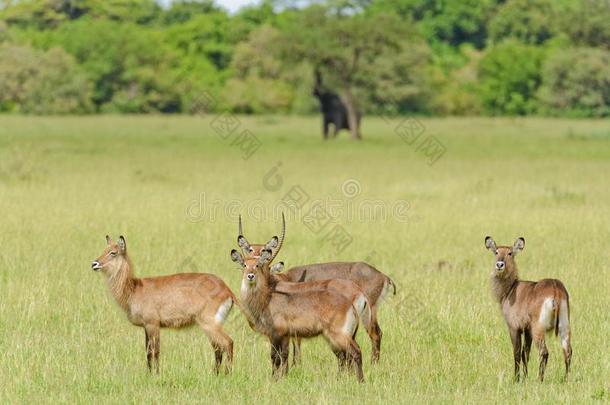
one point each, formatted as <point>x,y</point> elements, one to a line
<point>500,57</point>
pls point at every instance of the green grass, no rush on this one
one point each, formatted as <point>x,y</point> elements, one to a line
<point>67,182</point>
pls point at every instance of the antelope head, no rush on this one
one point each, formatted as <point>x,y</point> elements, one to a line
<point>505,265</point>
<point>112,257</point>
<point>255,270</point>
<point>255,250</point>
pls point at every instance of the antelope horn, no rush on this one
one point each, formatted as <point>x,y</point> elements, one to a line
<point>241,229</point>
<point>279,246</point>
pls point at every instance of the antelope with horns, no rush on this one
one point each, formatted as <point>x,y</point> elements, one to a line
<point>174,301</point>
<point>366,278</point>
<point>530,308</point>
<point>302,313</point>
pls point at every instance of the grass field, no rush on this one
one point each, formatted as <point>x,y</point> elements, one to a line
<point>173,187</point>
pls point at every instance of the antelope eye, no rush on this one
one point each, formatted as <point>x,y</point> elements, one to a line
<point>496,252</point>
<point>510,253</point>
<point>112,253</point>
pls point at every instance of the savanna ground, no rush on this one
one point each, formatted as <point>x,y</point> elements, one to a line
<point>67,182</point>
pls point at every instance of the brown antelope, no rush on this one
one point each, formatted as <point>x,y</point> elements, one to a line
<point>304,314</point>
<point>374,283</point>
<point>174,301</point>
<point>530,308</point>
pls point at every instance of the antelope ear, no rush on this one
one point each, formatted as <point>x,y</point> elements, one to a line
<point>519,245</point>
<point>265,256</point>
<point>236,257</point>
<point>277,267</point>
<point>243,243</point>
<point>490,244</point>
<point>122,244</point>
<point>272,244</point>
<point>108,240</point>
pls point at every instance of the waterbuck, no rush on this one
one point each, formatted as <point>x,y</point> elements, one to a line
<point>174,301</point>
<point>371,281</point>
<point>302,313</point>
<point>530,308</point>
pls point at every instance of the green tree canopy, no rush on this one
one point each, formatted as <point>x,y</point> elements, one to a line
<point>38,82</point>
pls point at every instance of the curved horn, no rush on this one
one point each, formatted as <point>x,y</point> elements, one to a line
<point>279,246</point>
<point>241,229</point>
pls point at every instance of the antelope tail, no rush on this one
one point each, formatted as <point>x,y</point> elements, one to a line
<point>393,285</point>
<point>556,301</point>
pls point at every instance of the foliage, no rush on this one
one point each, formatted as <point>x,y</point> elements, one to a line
<point>510,74</point>
<point>362,55</point>
<point>454,90</point>
<point>586,22</point>
<point>577,82</point>
<point>387,56</point>
<point>530,21</point>
<point>451,21</point>
<point>129,70</point>
<point>51,13</point>
<point>38,82</point>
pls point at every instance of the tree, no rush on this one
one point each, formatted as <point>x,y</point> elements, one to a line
<point>184,10</point>
<point>452,21</point>
<point>341,47</point>
<point>510,74</point>
<point>132,70</point>
<point>530,21</point>
<point>43,14</point>
<point>38,82</point>
<point>577,82</point>
<point>258,84</point>
<point>586,22</point>
<point>4,35</point>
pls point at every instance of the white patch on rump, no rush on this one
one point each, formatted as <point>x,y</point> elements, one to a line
<point>547,314</point>
<point>351,321</point>
<point>384,292</point>
<point>564,325</point>
<point>223,310</point>
<point>360,304</point>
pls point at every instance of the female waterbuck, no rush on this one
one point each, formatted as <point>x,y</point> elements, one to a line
<point>530,308</point>
<point>366,278</point>
<point>304,314</point>
<point>174,301</point>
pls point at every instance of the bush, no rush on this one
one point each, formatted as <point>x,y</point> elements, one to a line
<point>257,95</point>
<point>131,69</point>
<point>258,85</point>
<point>586,22</point>
<point>577,82</point>
<point>510,75</point>
<point>42,82</point>
<point>454,89</point>
<point>530,21</point>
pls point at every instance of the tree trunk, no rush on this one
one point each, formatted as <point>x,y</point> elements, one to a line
<point>352,114</point>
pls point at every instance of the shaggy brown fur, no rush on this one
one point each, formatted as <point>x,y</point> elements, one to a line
<point>175,301</point>
<point>530,308</point>
<point>282,314</point>
<point>361,277</point>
